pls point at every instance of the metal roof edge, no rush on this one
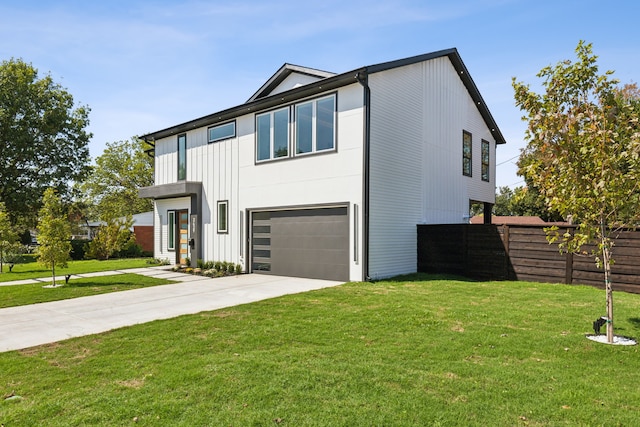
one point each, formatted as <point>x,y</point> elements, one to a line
<point>463,73</point>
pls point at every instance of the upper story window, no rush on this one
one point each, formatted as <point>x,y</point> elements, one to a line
<point>220,132</point>
<point>272,130</point>
<point>313,128</point>
<point>182,157</point>
<point>466,153</point>
<point>485,160</point>
<point>315,125</point>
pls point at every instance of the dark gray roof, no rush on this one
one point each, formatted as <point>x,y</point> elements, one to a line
<point>261,100</point>
<point>282,74</point>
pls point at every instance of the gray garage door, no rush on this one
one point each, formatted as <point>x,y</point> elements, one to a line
<point>311,243</point>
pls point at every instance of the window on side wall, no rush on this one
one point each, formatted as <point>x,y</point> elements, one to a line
<point>223,211</point>
<point>467,150</point>
<point>272,130</point>
<point>485,160</point>
<point>171,230</point>
<point>182,157</point>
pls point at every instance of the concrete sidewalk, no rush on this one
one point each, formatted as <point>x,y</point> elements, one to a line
<point>38,324</point>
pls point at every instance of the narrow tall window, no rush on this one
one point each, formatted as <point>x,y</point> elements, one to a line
<point>466,153</point>
<point>182,157</point>
<point>171,230</point>
<point>485,160</point>
<point>222,216</point>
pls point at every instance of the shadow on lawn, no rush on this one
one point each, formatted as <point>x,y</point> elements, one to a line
<point>424,277</point>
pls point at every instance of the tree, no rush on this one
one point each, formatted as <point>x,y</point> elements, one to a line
<point>111,238</point>
<point>527,201</point>
<point>112,186</point>
<point>584,155</point>
<point>54,233</point>
<point>502,207</point>
<point>8,237</point>
<point>43,139</point>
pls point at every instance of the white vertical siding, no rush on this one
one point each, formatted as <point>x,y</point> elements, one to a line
<point>228,171</point>
<point>418,113</point>
<point>396,166</point>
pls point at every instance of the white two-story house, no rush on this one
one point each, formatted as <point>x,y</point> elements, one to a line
<point>326,175</point>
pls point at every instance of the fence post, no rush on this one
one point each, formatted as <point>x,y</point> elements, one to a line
<point>505,242</point>
<point>568,273</point>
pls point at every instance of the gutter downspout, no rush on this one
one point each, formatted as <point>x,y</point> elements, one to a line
<point>363,79</point>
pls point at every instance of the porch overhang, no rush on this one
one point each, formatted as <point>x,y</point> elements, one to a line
<point>170,191</point>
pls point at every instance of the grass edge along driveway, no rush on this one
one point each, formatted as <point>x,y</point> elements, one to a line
<point>411,351</point>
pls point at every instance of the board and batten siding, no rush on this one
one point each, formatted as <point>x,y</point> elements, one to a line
<point>418,113</point>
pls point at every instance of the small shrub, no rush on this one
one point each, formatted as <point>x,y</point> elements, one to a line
<point>200,263</point>
<point>78,248</point>
<point>239,268</point>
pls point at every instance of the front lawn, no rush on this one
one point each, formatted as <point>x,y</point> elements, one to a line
<point>408,352</point>
<point>33,270</point>
<point>15,295</point>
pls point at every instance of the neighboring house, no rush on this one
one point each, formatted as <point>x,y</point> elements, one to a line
<point>509,220</point>
<point>326,175</point>
<point>143,229</point>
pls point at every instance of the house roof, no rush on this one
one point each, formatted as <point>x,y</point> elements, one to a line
<point>264,98</point>
<point>285,71</point>
<point>514,220</point>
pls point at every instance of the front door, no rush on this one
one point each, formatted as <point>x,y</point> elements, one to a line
<point>183,237</point>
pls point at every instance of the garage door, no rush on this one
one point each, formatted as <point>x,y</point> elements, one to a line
<point>311,243</point>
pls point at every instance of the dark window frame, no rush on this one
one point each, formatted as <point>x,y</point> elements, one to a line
<point>222,228</point>
<point>171,230</point>
<point>292,130</point>
<point>182,157</point>
<point>486,160</point>
<point>467,153</point>
<point>224,135</point>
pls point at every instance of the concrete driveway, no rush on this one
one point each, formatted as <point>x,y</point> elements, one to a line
<point>37,324</point>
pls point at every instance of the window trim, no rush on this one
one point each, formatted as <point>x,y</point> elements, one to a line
<point>272,134</point>
<point>225,136</point>
<point>485,169</point>
<point>466,134</point>
<point>222,228</point>
<point>292,129</point>
<point>182,136</point>
<point>171,230</point>
<point>314,125</point>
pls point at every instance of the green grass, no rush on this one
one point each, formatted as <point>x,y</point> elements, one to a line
<point>394,353</point>
<point>33,270</point>
<point>15,295</point>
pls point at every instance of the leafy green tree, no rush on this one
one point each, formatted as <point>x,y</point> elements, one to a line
<point>54,233</point>
<point>584,155</point>
<point>43,139</point>
<point>112,186</point>
<point>527,201</point>
<point>502,207</point>
<point>111,238</point>
<point>8,237</point>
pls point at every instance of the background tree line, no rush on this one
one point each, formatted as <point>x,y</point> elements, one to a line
<point>45,166</point>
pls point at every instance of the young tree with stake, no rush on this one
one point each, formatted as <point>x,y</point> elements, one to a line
<point>54,232</point>
<point>583,155</point>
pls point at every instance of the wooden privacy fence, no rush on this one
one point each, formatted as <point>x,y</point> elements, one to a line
<point>521,252</point>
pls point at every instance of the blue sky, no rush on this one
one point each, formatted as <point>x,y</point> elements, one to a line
<point>144,65</point>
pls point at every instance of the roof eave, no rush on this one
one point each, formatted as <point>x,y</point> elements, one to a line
<point>257,105</point>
